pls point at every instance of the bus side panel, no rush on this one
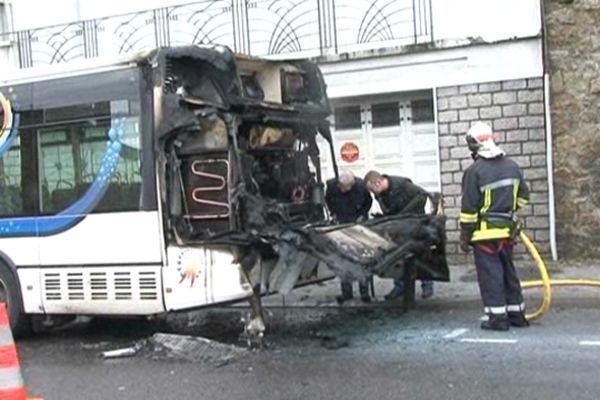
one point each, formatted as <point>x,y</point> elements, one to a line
<point>195,277</point>
<point>226,280</point>
<point>21,251</point>
<point>108,238</point>
<point>31,290</point>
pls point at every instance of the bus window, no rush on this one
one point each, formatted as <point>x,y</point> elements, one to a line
<point>74,148</point>
<point>11,191</point>
<point>17,180</point>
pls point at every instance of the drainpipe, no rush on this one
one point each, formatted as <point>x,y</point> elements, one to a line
<point>548,123</point>
<point>550,172</point>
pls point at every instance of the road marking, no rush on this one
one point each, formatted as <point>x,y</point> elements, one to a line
<point>494,341</point>
<point>456,333</point>
<point>589,343</point>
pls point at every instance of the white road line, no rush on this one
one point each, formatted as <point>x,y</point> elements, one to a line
<point>494,341</point>
<point>456,333</point>
<point>589,343</point>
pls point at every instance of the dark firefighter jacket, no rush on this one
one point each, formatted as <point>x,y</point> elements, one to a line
<point>492,190</point>
<point>349,206</point>
<point>402,196</point>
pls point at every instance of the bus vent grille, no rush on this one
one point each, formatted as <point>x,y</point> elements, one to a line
<point>122,284</point>
<point>75,286</point>
<point>148,285</point>
<point>52,286</point>
<point>94,285</point>
<point>98,286</point>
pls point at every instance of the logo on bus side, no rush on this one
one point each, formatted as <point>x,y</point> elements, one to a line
<point>189,266</point>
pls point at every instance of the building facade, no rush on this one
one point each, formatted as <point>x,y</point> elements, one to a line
<point>573,43</point>
<point>406,78</point>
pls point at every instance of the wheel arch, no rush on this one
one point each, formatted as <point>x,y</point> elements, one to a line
<point>7,263</point>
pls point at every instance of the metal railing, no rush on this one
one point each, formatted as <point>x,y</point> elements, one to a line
<point>256,27</point>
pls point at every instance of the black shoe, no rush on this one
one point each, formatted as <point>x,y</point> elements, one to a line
<point>496,323</point>
<point>365,298</point>
<point>517,319</point>
<point>395,293</point>
<point>342,298</point>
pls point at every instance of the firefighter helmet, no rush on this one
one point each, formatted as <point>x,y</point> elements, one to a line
<point>480,139</point>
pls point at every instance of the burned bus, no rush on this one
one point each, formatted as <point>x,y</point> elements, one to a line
<point>176,179</point>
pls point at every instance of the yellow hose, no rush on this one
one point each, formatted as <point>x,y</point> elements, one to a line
<point>546,282</point>
<point>562,282</point>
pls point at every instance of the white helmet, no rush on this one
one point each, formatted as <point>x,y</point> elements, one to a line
<point>480,139</point>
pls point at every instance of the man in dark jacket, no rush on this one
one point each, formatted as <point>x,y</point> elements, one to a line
<point>349,201</point>
<point>493,189</point>
<point>399,195</point>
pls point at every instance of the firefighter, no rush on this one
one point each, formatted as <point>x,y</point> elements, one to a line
<point>349,201</point>
<point>493,189</point>
<point>397,195</point>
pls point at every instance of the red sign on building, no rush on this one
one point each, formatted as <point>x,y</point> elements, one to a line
<point>349,152</point>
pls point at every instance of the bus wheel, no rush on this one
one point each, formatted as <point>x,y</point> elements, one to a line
<point>20,323</point>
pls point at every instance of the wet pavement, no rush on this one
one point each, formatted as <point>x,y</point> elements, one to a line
<point>315,349</point>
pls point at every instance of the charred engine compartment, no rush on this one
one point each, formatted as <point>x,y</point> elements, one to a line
<point>209,181</point>
<point>282,163</point>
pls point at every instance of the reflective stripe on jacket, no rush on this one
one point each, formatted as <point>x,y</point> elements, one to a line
<point>492,190</point>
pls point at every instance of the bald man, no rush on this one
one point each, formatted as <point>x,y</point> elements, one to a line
<point>348,201</point>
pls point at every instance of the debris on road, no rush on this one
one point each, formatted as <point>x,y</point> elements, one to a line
<point>122,353</point>
<point>196,349</point>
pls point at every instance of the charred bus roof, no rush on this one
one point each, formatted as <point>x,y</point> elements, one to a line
<point>215,77</point>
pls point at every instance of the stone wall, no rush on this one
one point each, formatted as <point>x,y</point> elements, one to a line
<point>573,43</point>
<point>515,110</point>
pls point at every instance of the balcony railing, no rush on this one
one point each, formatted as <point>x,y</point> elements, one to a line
<point>258,27</point>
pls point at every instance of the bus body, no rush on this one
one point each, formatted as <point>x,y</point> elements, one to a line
<point>114,179</point>
<point>171,180</point>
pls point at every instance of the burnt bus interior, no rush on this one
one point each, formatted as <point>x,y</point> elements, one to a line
<point>240,144</point>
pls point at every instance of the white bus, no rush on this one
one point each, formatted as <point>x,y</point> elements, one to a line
<point>123,187</point>
<point>170,180</point>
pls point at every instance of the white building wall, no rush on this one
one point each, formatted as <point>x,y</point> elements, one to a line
<point>64,11</point>
<point>6,25</point>
<point>491,20</point>
<point>414,71</point>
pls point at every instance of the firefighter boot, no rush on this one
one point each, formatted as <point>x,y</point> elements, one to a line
<point>518,319</point>
<point>496,322</point>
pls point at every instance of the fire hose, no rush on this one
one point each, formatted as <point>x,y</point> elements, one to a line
<point>546,282</point>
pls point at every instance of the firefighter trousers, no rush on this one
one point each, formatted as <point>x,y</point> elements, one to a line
<point>497,277</point>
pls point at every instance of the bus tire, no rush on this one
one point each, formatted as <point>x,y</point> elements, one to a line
<point>10,294</point>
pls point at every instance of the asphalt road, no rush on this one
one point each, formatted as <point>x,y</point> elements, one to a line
<point>434,352</point>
